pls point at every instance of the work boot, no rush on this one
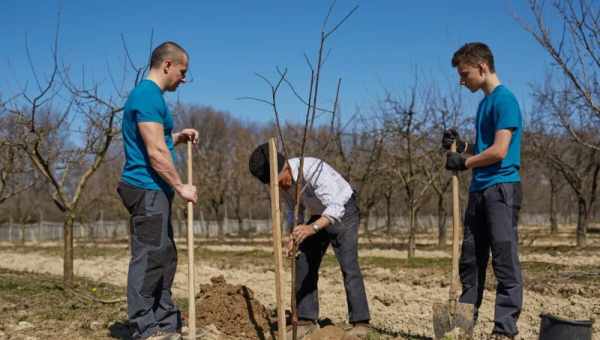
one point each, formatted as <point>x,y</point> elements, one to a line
<point>304,328</point>
<point>359,330</point>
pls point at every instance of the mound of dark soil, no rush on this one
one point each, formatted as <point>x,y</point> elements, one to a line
<point>232,309</point>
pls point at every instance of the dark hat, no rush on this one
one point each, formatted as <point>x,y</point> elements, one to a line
<point>259,163</point>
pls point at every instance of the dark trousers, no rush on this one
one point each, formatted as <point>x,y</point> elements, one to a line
<point>153,262</point>
<point>343,236</point>
<point>491,222</point>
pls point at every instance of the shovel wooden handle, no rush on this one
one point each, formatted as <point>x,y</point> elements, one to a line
<point>190,247</point>
<point>454,285</point>
<point>277,250</point>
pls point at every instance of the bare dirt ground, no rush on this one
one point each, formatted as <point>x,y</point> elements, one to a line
<point>559,279</point>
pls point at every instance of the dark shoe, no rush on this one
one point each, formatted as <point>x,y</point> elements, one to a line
<point>304,328</point>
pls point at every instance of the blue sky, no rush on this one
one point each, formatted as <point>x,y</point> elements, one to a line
<point>378,48</point>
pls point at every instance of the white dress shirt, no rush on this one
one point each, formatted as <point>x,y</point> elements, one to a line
<point>325,191</point>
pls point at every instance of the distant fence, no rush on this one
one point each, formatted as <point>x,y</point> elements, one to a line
<point>48,231</point>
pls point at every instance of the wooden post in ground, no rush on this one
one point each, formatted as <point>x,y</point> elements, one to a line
<point>190,246</point>
<point>277,250</point>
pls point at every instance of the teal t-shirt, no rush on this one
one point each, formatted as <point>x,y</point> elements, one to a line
<point>145,104</point>
<point>498,110</point>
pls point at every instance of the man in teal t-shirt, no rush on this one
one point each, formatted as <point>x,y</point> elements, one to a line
<point>148,184</point>
<point>495,193</point>
<point>145,104</point>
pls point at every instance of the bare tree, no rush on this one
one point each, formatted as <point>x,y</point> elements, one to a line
<point>68,127</point>
<point>446,111</point>
<point>360,162</point>
<point>311,104</point>
<point>406,122</point>
<point>213,157</point>
<point>15,173</point>
<point>574,46</point>
<point>578,165</point>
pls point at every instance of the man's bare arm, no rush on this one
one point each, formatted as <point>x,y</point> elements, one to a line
<point>495,153</point>
<point>161,160</point>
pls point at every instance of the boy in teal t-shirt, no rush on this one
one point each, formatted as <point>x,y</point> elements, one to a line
<point>495,193</point>
<point>497,111</point>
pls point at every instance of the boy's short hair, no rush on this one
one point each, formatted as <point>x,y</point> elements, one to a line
<point>259,163</point>
<point>474,53</point>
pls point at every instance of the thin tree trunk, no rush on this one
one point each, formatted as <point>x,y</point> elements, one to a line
<point>68,250</point>
<point>442,215</point>
<point>238,215</point>
<point>388,214</point>
<point>411,233</point>
<point>553,194</point>
<point>367,220</point>
<point>225,224</point>
<point>23,229</point>
<point>203,223</point>
<point>582,222</point>
<point>180,221</point>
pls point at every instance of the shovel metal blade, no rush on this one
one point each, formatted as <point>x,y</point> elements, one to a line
<point>446,317</point>
<point>441,320</point>
<point>463,317</point>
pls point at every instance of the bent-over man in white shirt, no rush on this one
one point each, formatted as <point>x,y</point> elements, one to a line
<point>334,219</point>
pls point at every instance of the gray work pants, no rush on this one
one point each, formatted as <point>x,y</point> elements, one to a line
<point>343,236</point>
<point>491,222</point>
<point>153,262</point>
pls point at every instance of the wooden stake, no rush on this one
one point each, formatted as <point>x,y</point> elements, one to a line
<point>276,225</point>
<point>455,280</point>
<point>190,246</point>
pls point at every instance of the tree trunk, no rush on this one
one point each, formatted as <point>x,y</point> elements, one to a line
<point>367,220</point>
<point>411,233</point>
<point>68,250</point>
<point>553,194</point>
<point>238,214</point>
<point>181,226</point>
<point>203,223</point>
<point>225,223</point>
<point>388,214</point>
<point>582,222</point>
<point>215,207</point>
<point>23,229</point>
<point>442,215</point>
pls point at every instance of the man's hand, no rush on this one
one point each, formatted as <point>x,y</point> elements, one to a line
<point>187,192</point>
<point>301,232</point>
<point>455,161</point>
<point>289,247</point>
<point>451,135</point>
<point>187,134</point>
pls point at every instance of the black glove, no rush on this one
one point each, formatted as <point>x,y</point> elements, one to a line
<point>455,161</point>
<point>450,135</point>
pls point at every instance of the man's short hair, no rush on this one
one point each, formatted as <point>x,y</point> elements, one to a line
<point>167,50</point>
<point>259,163</point>
<point>474,53</point>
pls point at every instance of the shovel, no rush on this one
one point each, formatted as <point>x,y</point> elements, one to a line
<point>454,316</point>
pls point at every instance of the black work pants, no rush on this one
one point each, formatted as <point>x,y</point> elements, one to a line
<point>491,222</point>
<point>343,236</point>
<point>153,262</point>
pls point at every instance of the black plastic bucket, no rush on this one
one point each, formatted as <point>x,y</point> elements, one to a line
<point>554,328</point>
